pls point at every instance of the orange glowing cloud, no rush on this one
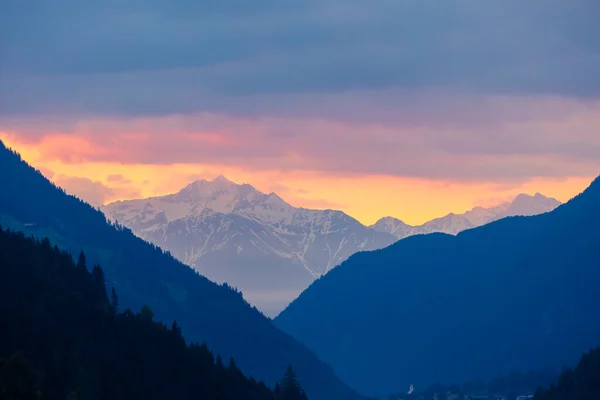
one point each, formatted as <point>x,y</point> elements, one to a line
<point>412,171</point>
<point>366,197</point>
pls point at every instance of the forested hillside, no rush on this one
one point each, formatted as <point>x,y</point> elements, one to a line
<point>517,294</point>
<point>62,336</point>
<point>145,275</point>
<point>580,383</point>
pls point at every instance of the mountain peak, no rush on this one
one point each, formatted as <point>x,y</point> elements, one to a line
<point>204,187</point>
<point>536,196</point>
<point>389,221</point>
<point>452,223</point>
<point>525,204</point>
<point>222,179</point>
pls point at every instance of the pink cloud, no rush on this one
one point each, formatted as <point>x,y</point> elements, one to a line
<point>509,139</point>
<point>117,179</point>
<point>94,192</point>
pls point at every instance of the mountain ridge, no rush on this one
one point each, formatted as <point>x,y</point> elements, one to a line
<point>452,223</point>
<point>254,241</point>
<point>145,275</point>
<point>451,308</point>
<point>266,247</point>
<point>52,304</point>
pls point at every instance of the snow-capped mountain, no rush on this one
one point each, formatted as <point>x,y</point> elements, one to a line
<point>452,223</point>
<point>269,249</point>
<point>256,242</point>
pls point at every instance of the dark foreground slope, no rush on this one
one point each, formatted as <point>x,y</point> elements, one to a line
<point>56,314</point>
<point>581,383</point>
<point>516,294</point>
<point>144,275</point>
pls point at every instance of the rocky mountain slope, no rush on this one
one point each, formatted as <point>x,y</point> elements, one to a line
<point>269,249</point>
<point>145,275</point>
<point>256,242</point>
<point>523,205</point>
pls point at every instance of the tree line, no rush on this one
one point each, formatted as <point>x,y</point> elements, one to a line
<point>579,383</point>
<point>63,337</point>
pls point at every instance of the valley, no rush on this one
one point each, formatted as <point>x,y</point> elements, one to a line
<point>268,249</point>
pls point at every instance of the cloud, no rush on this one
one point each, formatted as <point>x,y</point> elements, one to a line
<point>318,204</point>
<point>47,172</point>
<point>279,188</point>
<point>163,57</point>
<point>493,201</point>
<point>535,137</point>
<point>117,179</point>
<point>94,192</point>
<point>464,90</point>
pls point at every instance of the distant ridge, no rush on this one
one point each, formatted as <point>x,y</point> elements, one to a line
<point>516,294</point>
<point>523,204</point>
<point>267,248</point>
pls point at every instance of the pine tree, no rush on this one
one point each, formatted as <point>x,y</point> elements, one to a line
<point>232,365</point>
<point>290,386</point>
<point>146,313</point>
<point>114,301</point>
<point>17,379</point>
<point>277,392</point>
<point>82,262</point>
<point>176,329</point>
<point>98,276</point>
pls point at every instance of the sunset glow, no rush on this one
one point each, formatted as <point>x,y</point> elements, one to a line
<point>389,108</point>
<point>366,197</point>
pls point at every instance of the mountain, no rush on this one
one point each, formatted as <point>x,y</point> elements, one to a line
<point>145,275</point>
<point>63,338</point>
<point>582,382</point>
<point>523,205</point>
<point>269,249</point>
<point>256,242</point>
<point>515,294</point>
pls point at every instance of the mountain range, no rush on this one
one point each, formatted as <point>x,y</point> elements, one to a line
<point>254,241</point>
<point>516,294</point>
<point>145,276</point>
<point>523,204</point>
<point>269,249</point>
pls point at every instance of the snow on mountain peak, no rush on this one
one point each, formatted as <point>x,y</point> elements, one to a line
<point>222,180</point>
<point>242,231</point>
<point>255,241</point>
<point>523,204</point>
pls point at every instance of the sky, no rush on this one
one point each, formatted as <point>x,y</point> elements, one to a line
<point>406,108</point>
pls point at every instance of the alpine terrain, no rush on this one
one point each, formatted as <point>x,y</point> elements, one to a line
<point>267,248</point>
<point>144,276</point>
<point>523,204</point>
<point>516,294</point>
<point>256,242</point>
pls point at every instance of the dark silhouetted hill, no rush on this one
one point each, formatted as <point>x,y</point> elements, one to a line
<point>145,275</point>
<point>581,383</point>
<point>61,336</point>
<point>516,294</point>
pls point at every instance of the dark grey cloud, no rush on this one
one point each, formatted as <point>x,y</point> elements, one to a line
<point>175,56</point>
